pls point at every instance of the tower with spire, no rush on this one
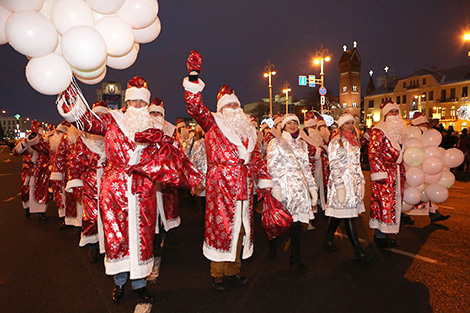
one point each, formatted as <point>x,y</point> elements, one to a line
<point>350,81</point>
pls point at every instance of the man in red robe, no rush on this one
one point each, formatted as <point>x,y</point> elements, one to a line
<point>234,161</point>
<point>387,174</point>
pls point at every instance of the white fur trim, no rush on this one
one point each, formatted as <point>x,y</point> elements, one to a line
<point>310,123</point>
<point>345,118</point>
<point>21,147</point>
<point>192,86</point>
<point>278,120</point>
<point>56,176</point>
<point>73,184</point>
<point>321,123</point>
<point>77,110</point>
<point>419,120</point>
<point>134,93</point>
<point>62,128</point>
<point>100,109</point>
<point>289,117</point>
<point>226,99</point>
<point>34,141</point>
<point>265,183</point>
<point>378,176</point>
<point>156,109</point>
<point>388,107</point>
<point>181,124</point>
<point>168,128</point>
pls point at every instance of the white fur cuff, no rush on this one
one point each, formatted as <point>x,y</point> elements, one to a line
<point>193,87</point>
<point>56,176</point>
<point>378,176</point>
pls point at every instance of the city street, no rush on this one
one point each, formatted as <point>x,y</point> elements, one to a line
<point>42,269</point>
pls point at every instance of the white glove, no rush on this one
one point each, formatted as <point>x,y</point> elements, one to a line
<point>313,196</point>
<point>341,192</point>
<point>277,193</point>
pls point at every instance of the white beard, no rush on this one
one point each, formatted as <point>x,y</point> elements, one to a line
<point>316,137</point>
<point>325,133</point>
<point>396,127</point>
<point>138,120</point>
<point>239,123</point>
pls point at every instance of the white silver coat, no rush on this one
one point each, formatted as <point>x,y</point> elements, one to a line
<point>288,165</point>
<point>199,159</point>
<point>345,169</point>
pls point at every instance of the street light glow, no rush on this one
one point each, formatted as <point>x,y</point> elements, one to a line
<point>466,36</point>
<point>327,59</point>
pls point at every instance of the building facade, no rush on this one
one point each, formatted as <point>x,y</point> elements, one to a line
<point>112,94</point>
<point>439,94</point>
<point>350,82</point>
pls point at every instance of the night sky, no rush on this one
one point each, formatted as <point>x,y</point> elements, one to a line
<point>237,38</point>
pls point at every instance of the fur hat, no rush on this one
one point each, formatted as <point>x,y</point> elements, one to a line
<point>180,123</point>
<point>137,90</point>
<point>387,106</point>
<point>277,118</point>
<point>345,117</point>
<point>310,119</point>
<point>100,107</point>
<point>225,96</point>
<point>419,118</point>
<point>289,117</point>
<point>157,106</point>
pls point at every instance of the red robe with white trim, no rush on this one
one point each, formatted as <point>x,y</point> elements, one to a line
<point>387,180</point>
<point>232,166</point>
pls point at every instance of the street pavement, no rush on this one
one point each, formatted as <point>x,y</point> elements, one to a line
<point>42,269</point>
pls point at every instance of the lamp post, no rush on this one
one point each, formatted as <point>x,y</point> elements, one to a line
<point>286,91</point>
<point>419,97</point>
<point>270,72</point>
<point>320,58</point>
<point>466,39</point>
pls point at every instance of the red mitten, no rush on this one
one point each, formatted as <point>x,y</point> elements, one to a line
<point>194,65</point>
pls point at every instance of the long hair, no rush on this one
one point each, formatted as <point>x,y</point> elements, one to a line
<point>340,133</point>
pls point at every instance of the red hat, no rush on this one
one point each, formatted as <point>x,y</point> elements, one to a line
<point>277,118</point>
<point>157,106</point>
<point>137,90</point>
<point>419,118</point>
<point>100,107</point>
<point>50,127</point>
<point>387,106</point>
<point>310,119</point>
<point>37,127</point>
<point>194,62</point>
<point>254,120</point>
<point>180,123</point>
<point>289,117</point>
<point>225,96</point>
<point>63,127</point>
<point>345,117</point>
<point>320,121</point>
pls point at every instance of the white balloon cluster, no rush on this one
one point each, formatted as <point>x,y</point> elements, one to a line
<point>61,37</point>
<point>463,112</point>
<point>427,167</point>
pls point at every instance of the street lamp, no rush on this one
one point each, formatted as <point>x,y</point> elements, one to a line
<point>270,72</point>
<point>286,91</point>
<point>418,97</point>
<point>320,58</point>
<point>466,39</point>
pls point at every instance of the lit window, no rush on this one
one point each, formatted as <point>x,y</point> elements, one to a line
<point>354,105</point>
<point>345,105</point>
<point>345,89</point>
<point>354,88</point>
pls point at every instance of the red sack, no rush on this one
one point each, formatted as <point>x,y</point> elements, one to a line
<point>275,219</point>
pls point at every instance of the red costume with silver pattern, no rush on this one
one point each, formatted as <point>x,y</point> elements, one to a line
<point>232,166</point>
<point>387,180</point>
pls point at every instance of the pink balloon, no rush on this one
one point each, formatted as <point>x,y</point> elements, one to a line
<point>432,165</point>
<point>424,198</point>
<point>431,138</point>
<point>453,157</point>
<point>432,179</point>
<point>414,176</point>
<point>413,142</point>
<point>421,187</point>
<point>413,156</point>
<point>437,193</point>
<point>430,151</point>
<point>413,132</point>
<point>405,207</point>
<point>412,195</point>
<point>447,179</point>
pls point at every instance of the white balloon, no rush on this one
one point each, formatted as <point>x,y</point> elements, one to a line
<point>414,176</point>
<point>98,16</point>
<point>413,142</point>
<point>22,5</point>
<point>413,156</point>
<point>84,48</point>
<point>89,74</point>
<point>66,14</point>
<point>413,132</point>
<point>139,13</point>
<point>31,33</point>
<point>117,34</point>
<point>421,187</point>
<point>431,137</point>
<point>4,14</point>
<point>412,195</point>
<point>432,179</point>
<point>93,81</point>
<point>430,151</point>
<point>447,179</point>
<point>437,193</point>
<point>424,198</point>
<point>125,61</point>
<point>453,157</point>
<point>148,34</point>
<point>432,165</point>
<point>405,207</point>
<point>47,8</point>
<point>49,75</point>
<point>105,6</point>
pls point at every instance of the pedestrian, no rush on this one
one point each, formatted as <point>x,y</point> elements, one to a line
<point>127,202</point>
<point>387,174</point>
<point>85,172</point>
<point>346,185</point>
<point>294,185</point>
<point>275,131</point>
<point>234,162</point>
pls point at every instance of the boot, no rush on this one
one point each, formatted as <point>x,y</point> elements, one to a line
<point>27,213</point>
<point>295,235</point>
<point>272,248</point>
<point>359,253</point>
<point>328,241</point>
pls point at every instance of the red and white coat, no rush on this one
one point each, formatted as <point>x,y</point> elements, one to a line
<point>232,166</point>
<point>58,189</point>
<point>85,171</point>
<point>387,174</point>
<point>128,218</point>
